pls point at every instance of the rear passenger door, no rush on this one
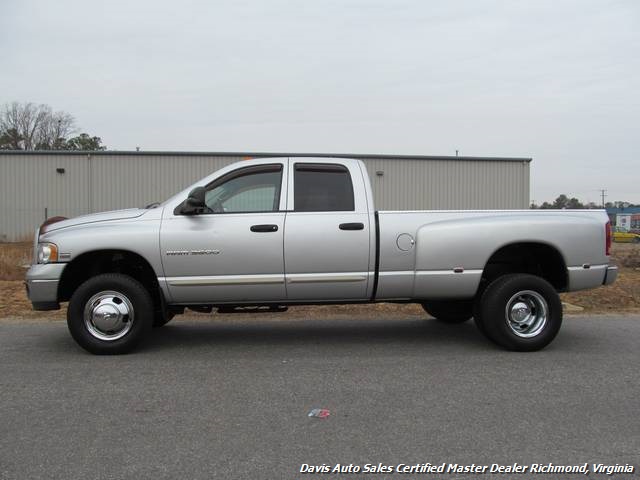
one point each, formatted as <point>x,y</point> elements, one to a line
<point>326,235</point>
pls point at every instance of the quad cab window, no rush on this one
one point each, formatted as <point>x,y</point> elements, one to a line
<point>252,189</point>
<point>322,188</point>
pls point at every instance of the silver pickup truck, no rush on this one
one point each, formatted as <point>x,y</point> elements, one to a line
<point>263,234</point>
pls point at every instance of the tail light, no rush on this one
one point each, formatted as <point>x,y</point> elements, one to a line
<point>607,229</point>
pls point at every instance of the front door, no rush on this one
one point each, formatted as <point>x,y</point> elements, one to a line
<point>327,233</point>
<point>232,252</point>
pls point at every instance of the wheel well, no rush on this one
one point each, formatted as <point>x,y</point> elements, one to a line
<point>535,258</point>
<point>94,263</point>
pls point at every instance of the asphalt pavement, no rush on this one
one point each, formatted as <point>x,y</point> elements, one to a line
<point>229,398</point>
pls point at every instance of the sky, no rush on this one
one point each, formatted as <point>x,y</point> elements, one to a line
<point>558,81</point>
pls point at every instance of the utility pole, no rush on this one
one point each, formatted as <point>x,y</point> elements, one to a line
<point>603,193</point>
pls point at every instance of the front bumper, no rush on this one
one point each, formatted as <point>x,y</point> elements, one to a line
<point>611,275</point>
<point>42,285</point>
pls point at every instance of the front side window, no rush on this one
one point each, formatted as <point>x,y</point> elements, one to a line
<point>253,189</point>
<point>322,188</point>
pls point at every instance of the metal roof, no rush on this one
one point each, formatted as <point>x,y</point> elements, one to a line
<point>623,211</point>
<point>262,155</point>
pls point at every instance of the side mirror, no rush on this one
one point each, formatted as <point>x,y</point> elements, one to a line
<point>194,203</point>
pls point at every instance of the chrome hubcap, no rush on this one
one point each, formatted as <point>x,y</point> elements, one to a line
<point>108,315</point>
<point>527,313</point>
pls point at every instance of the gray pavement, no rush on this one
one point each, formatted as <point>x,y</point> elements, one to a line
<point>229,399</point>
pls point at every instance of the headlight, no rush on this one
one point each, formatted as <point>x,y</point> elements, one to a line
<point>47,253</point>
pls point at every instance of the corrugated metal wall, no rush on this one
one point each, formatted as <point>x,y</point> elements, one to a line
<point>122,181</point>
<point>448,184</point>
<point>31,188</point>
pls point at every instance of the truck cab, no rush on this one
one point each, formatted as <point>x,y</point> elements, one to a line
<point>309,214</point>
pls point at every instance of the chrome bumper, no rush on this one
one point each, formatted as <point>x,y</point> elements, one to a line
<point>42,285</point>
<point>611,275</point>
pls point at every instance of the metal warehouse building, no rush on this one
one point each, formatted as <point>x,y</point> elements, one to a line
<point>38,185</point>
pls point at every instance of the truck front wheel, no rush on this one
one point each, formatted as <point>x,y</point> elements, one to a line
<point>449,311</point>
<point>110,314</point>
<point>520,312</point>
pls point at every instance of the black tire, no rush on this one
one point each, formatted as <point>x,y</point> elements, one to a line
<point>449,311</point>
<point>161,320</point>
<point>530,300</point>
<point>477,314</point>
<point>110,291</point>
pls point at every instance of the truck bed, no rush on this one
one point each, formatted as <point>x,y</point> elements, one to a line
<point>451,248</point>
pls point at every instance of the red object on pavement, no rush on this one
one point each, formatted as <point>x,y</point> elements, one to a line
<point>319,413</point>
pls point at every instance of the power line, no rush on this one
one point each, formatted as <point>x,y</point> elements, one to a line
<point>603,193</point>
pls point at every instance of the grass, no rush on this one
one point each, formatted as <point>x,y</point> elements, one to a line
<point>13,258</point>
<point>627,254</point>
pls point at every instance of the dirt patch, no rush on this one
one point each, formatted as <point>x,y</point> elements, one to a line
<point>14,302</point>
<point>13,259</point>
<point>626,254</point>
<point>622,296</point>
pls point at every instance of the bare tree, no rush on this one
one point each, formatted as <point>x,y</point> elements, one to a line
<point>35,127</point>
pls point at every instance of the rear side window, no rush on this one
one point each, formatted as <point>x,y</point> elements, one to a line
<point>322,188</point>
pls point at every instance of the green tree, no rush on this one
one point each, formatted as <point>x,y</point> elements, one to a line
<point>10,139</point>
<point>27,126</point>
<point>561,201</point>
<point>38,127</point>
<point>84,142</point>
<point>574,203</point>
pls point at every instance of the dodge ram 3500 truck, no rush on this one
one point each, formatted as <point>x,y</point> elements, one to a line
<point>284,231</point>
